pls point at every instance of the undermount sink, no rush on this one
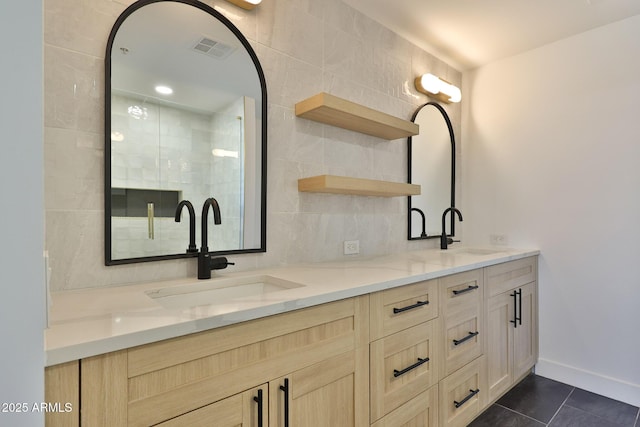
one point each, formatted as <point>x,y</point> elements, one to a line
<point>476,251</point>
<point>220,291</point>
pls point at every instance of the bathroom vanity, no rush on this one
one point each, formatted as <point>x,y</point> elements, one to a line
<point>430,337</point>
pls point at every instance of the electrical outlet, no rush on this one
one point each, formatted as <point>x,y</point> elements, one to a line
<point>499,239</point>
<point>351,247</point>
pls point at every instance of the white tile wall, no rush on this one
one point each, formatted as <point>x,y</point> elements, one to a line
<point>305,46</point>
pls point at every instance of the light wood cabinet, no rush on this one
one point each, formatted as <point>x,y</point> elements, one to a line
<point>512,321</point>
<point>321,350</point>
<point>432,353</point>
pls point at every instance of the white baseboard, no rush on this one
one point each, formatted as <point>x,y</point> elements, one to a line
<point>590,381</point>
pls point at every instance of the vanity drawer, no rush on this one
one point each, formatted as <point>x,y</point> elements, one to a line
<point>462,395</point>
<point>503,277</point>
<point>402,366</point>
<point>463,338</point>
<point>461,291</point>
<point>421,411</point>
<point>400,308</point>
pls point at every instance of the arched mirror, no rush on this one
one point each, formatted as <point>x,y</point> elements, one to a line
<point>185,118</point>
<point>432,165</point>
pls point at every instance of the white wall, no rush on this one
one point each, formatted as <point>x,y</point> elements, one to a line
<point>552,160</point>
<point>21,219</point>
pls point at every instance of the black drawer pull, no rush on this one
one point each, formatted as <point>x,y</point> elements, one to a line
<point>466,399</point>
<point>397,373</point>
<point>258,400</point>
<point>468,289</point>
<point>410,307</point>
<point>468,337</point>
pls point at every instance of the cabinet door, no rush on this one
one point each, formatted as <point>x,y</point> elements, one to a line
<point>512,348</point>
<point>62,387</point>
<point>322,395</point>
<point>499,344</point>
<point>525,350</point>
<point>248,409</point>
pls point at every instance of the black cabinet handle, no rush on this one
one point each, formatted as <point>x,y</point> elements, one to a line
<point>468,337</point>
<point>258,400</point>
<point>468,289</point>
<point>520,306</point>
<point>517,306</point>
<point>397,373</point>
<point>515,309</point>
<point>285,389</point>
<point>410,307</point>
<point>466,399</point>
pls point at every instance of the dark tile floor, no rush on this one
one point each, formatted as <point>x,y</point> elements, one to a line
<point>537,402</point>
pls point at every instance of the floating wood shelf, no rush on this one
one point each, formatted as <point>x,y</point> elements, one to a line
<point>356,186</point>
<point>345,114</point>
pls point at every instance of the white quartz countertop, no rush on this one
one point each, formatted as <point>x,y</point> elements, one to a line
<point>89,322</point>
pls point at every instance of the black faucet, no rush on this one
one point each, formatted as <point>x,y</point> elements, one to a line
<point>424,222</point>
<point>444,240</point>
<point>205,262</point>
<point>192,224</point>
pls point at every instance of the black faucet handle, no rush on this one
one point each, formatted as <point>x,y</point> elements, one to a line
<point>219,263</point>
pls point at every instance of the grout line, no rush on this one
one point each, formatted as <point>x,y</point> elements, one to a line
<point>591,414</point>
<point>520,413</point>
<point>560,407</point>
<point>586,411</point>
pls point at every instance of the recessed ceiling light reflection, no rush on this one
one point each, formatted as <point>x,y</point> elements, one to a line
<point>117,136</point>
<point>224,153</point>
<point>138,112</point>
<point>164,90</point>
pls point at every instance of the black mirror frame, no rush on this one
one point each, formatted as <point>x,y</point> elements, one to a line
<point>453,173</point>
<point>107,146</point>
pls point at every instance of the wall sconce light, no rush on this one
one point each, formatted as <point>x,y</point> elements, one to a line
<point>245,4</point>
<point>438,88</point>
